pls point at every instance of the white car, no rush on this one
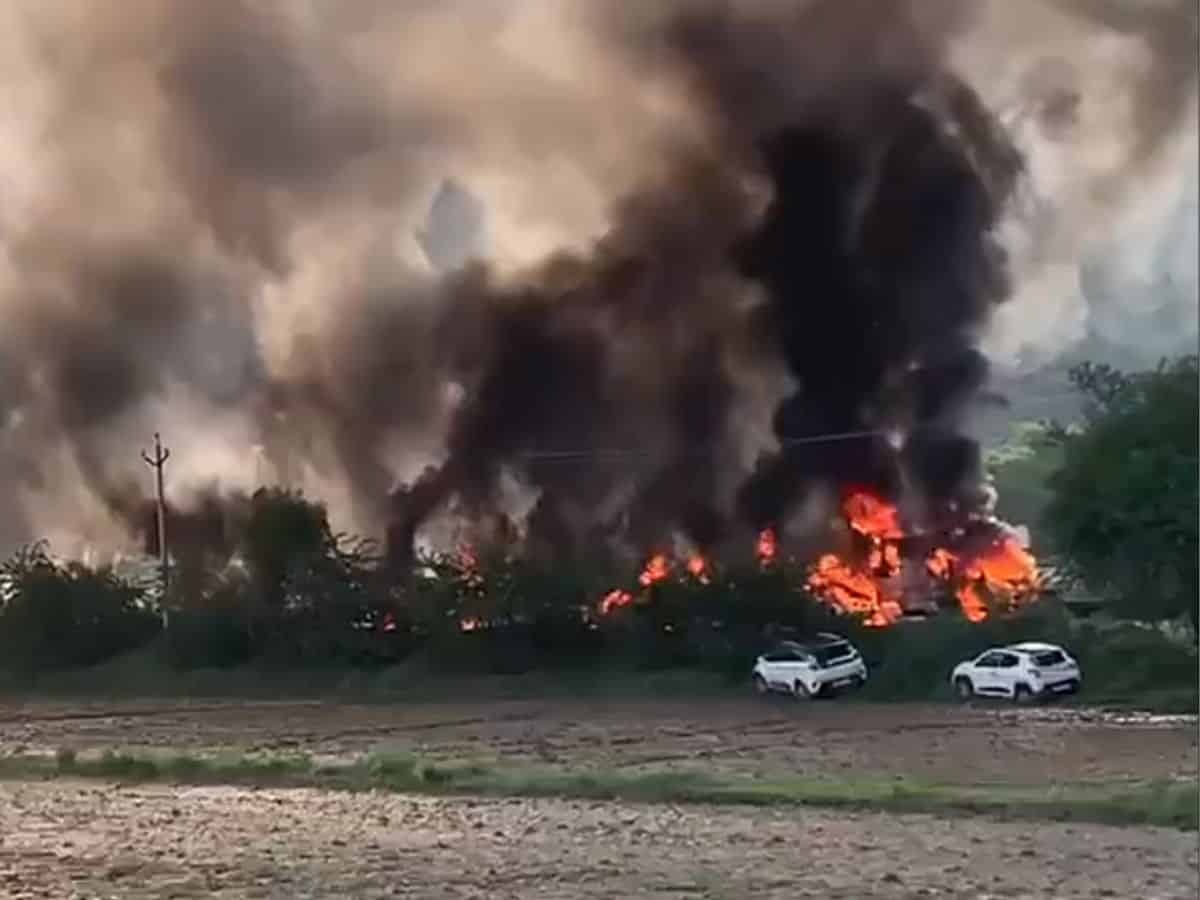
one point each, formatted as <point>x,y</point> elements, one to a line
<point>810,668</point>
<point>1019,672</point>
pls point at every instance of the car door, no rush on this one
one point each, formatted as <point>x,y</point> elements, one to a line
<point>791,666</point>
<point>1007,672</point>
<point>775,669</point>
<point>985,673</point>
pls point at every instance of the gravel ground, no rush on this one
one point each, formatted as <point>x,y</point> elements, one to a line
<point>68,840</point>
<point>945,743</point>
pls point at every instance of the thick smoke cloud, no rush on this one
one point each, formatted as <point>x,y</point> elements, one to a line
<point>1101,96</point>
<point>709,226</point>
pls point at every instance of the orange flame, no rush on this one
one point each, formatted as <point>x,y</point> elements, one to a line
<point>768,546</point>
<point>853,591</point>
<point>873,517</point>
<point>657,569</point>
<point>941,563</point>
<point>617,599</point>
<point>1005,567</point>
<point>858,589</point>
<point>467,563</point>
<point>697,567</point>
<point>469,624</point>
<point>864,585</point>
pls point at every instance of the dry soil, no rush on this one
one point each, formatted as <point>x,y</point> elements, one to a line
<point>944,743</point>
<point>66,840</point>
<point>71,840</point>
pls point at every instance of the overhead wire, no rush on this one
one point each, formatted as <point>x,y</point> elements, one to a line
<point>619,454</point>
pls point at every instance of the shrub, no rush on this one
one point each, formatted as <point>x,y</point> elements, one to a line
<point>913,660</point>
<point>201,639</point>
<point>62,615</point>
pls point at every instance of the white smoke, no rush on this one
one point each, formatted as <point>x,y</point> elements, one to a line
<point>1101,97</point>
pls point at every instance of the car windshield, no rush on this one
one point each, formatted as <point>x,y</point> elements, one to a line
<point>1049,658</point>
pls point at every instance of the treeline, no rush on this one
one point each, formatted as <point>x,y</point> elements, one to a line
<point>282,588</point>
<point>292,592</point>
<point>297,596</point>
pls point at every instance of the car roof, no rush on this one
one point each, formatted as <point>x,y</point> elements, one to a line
<point>820,640</point>
<point>1032,647</point>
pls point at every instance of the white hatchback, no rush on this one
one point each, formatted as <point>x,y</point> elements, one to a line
<point>810,668</point>
<point>1019,672</point>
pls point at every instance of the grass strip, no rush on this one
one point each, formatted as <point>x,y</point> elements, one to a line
<point>1172,804</point>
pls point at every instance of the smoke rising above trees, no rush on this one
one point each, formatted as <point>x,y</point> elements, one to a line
<point>710,227</point>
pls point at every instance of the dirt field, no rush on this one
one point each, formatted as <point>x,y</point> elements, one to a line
<point>67,840</point>
<point>944,743</point>
<point>63,839</point>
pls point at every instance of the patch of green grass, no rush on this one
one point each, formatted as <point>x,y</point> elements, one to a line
<point>1174,804</point>
<point>178,768</point>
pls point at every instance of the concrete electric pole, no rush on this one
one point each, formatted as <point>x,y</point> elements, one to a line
<point>157,462</point>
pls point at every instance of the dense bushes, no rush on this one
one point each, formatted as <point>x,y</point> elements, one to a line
<point>293,595</point>
<point>1123,505</point>
<point>57,615</point>
<point>1119,661</point>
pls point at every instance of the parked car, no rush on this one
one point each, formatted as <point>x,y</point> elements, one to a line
<point>1019,672</point>
<point>810,668</point>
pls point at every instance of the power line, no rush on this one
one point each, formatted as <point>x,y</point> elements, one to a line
<point>619,454</point>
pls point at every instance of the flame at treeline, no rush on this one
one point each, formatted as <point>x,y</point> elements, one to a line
<point>873,580</point>
<point>870,581</point>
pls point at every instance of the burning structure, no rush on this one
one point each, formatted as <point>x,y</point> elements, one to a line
<point>742,317</point>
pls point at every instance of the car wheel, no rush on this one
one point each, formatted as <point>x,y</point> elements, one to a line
<point>964,688</point>
<point>760,685</point>
<point>1073,687</point>
<point>1022,693</point>
<point>801,691</point>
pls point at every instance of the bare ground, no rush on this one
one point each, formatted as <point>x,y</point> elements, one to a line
<point>977,745</point>
<point>63,839</point>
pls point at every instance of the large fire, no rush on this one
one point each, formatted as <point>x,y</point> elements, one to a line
<point>1004,567</point>
<point>856,591</point>
<point>767,547</point>
<point>869,582</point>
<point>869,587</point>
<point>614,600</point>
<point>658,568</point>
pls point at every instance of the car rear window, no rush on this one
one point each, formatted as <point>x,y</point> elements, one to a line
<point>825,652</point>
<point>1049,658</point>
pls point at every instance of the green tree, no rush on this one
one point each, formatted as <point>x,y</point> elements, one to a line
<point>1124,507</point>
<point>285,532</point>
<point>56,615</point>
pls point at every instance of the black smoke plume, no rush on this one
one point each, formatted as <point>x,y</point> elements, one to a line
<point>876,265</point>
<point>718,234</point>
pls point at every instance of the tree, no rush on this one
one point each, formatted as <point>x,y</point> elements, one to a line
<point>285,533</point>
<point>1124,507</point>
<point>57,615</point>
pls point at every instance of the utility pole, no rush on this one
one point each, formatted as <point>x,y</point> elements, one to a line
<point>157,462</point>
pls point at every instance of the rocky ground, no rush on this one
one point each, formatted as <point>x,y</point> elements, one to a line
<point>68,840</point>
